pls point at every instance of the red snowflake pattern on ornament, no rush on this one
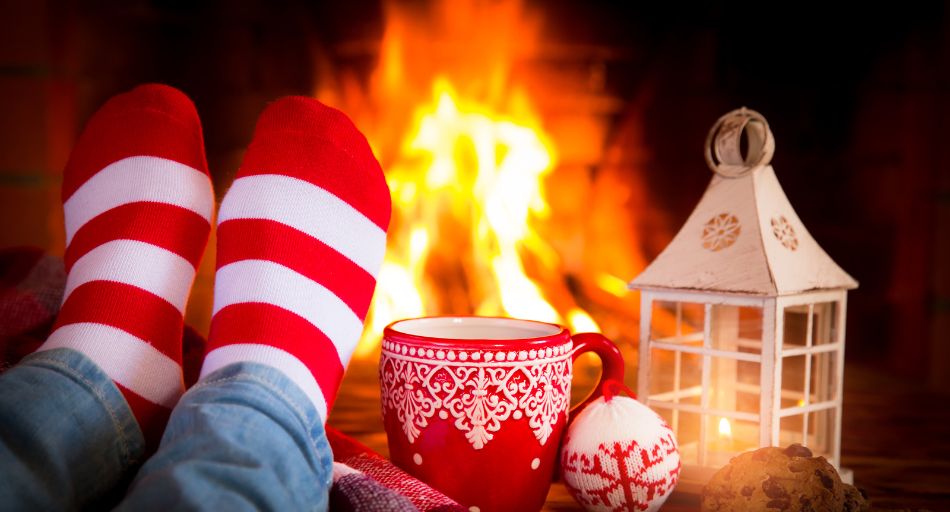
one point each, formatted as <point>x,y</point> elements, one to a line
<point>619,474</point>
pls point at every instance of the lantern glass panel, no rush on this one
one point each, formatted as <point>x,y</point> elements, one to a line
<point>677,322</point>
<point>824,319</point>
<point>796,327</point>
<point>686,432</point>
<point>824,377</point>
<point>825,323</point>
<point>748,390</point>
<point>821,432</point>
<point>736,328</point>
<point>734,385</point>
<point>792,430</point>
<point>793,381</point>
<point>675,376</point>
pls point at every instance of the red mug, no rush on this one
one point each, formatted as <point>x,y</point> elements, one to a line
<point>476,406</point>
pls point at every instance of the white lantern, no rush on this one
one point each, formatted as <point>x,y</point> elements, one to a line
<point>742,320</point>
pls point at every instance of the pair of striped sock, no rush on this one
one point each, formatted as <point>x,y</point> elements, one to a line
<point>301,237</point>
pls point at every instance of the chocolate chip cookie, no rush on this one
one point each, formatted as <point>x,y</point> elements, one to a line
<point>855,499</point>
<point>787,480</point>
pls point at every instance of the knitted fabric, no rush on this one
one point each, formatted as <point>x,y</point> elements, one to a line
<point>619,455</point>
<point>348,451</point>
<point>31,292</point>
<point>138,204</point>
<point>354,491</point>
<point>301,237</point>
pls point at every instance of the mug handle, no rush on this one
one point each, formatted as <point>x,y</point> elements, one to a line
<point>612,366</point>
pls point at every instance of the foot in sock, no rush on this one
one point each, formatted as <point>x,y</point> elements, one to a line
<point>138,203</point>
<point>301,238</point>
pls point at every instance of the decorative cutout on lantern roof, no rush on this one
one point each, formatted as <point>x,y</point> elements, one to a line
<point>744,236</point>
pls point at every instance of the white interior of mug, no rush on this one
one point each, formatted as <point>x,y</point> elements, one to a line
<point>475,328</point>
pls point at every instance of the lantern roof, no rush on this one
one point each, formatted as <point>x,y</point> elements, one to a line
<point>744,236</point>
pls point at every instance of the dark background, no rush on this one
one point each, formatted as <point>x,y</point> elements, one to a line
<point>856,96</point>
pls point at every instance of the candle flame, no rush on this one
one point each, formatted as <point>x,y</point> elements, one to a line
<point>725,430</point>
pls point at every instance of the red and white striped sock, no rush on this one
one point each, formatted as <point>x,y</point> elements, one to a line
<point>138,203</point>
<point>301,238</point>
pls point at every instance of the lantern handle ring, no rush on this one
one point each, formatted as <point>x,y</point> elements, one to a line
<point>722,151</point>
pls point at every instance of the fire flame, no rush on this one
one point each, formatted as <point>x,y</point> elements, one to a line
<point>509,159</point>
<point>503,193</point>
<point>465,167</point>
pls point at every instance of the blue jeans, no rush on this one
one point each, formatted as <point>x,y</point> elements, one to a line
<point>243,438</point>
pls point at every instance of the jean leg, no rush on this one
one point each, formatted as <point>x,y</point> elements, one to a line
<point>67,435</point>
<point>244,438</point>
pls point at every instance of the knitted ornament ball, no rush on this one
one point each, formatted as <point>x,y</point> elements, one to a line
<point>619,455</point>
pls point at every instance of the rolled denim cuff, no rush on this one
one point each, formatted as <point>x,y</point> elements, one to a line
<point>281,388</point>
<point>67,435</point>
<point>244,435</point>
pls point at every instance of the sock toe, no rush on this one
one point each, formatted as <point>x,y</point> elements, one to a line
<point>300,114</point>
<point>152,119</point>
<point>305,139</point>
<point>158,98</point>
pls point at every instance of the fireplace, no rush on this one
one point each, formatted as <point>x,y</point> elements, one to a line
<point>594,113</point>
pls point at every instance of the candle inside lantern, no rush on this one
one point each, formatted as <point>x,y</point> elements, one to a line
<point>725,442</point>
<point>725,431</point>
<point>728,444</point>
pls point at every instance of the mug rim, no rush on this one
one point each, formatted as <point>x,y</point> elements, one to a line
<point>392,333</point>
